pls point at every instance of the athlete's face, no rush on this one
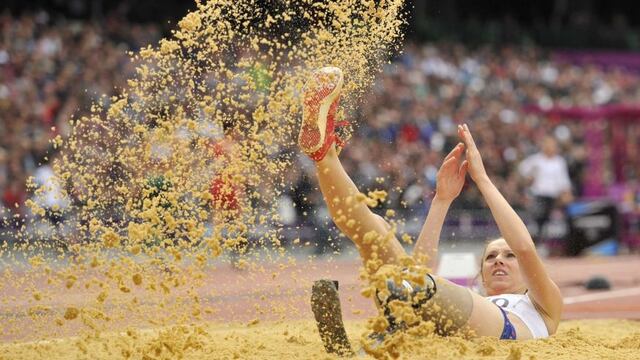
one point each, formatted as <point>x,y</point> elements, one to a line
<point>500,269</point>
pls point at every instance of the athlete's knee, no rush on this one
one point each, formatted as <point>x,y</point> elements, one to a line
<point>417,294</point>
<point>432,298</point>
<point>404,292</point>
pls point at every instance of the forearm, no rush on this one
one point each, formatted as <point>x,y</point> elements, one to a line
<point>427,244</point>
<point>511,226</point>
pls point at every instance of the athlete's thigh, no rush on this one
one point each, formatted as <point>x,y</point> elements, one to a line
<point>486,318</point>
<point>455,309</point>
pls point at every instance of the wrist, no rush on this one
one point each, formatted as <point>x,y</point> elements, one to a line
<point>483,181</point>
<point>441,200</point>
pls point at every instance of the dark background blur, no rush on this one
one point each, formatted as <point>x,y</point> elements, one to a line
<point>551,23</point>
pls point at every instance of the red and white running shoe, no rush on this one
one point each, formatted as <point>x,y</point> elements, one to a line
<point>320,102</point>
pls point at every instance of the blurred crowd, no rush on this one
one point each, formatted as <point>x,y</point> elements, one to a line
<point>51,69</point>
<point>407,124</point>
<point>429,90</point>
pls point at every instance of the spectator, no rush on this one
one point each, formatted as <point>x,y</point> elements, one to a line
<point>549,184</point>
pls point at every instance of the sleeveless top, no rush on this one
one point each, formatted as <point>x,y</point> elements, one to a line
<point>521,306</point>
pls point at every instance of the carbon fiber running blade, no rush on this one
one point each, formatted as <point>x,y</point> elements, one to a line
<point>325,305</point>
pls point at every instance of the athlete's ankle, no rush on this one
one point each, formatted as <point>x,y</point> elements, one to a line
<point>331,155</point>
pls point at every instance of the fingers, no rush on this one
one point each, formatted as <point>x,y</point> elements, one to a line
<point>449,163</point>
<point>468,134</point>
<point>462,136</point>
<point>465,135</point>
<point>456,151</point>
<point>462,171</point>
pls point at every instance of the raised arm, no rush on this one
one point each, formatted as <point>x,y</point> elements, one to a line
<point>449,182</point>
<point>542,290</point>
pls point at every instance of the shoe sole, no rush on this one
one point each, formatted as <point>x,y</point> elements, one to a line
<point>325,305</point>
<point>313,131</point>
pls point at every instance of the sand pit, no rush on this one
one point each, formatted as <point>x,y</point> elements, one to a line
<point>577,339</point>
<point>283,327</point>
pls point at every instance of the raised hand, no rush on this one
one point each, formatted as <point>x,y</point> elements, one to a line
<point>476,167</point>
<point>451,175</point>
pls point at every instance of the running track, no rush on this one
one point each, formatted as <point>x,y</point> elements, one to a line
<point>622,301</point>
<point>281,292</point>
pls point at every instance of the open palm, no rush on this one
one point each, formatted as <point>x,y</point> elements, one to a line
<point>451,175</point>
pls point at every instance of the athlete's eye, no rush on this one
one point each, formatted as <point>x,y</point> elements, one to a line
<point>511,255</point>
<point>490,256</point>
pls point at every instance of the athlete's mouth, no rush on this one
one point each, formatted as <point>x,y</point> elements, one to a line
<point>499,272</point>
